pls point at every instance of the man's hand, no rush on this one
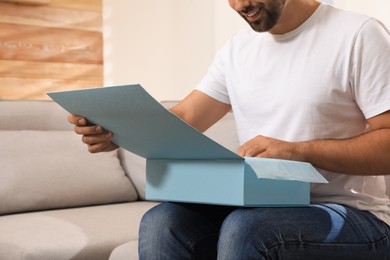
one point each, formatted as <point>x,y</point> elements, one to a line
<point>365,154</point>
<point>97,139</point>
<point>266,147</point>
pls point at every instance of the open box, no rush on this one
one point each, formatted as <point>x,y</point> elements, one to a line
<point>182,163</point>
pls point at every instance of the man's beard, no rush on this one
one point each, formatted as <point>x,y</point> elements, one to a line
<point>270,15</point>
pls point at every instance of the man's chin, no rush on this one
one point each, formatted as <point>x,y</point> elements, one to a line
<point>257,26</point>
<point>261,25</point>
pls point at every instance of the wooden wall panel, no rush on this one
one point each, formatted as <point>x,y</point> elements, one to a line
<point>35,43</point>
<point>45,70</point>
<point>57,46</point>
<point>85,5</point>
<point>53,15</point>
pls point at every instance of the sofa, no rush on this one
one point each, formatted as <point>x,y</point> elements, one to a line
<point>58,201</point>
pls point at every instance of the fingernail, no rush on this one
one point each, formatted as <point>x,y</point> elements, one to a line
<point>98,129</point>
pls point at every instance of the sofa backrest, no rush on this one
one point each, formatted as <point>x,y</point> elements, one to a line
<point>32,115</point>
<point>44,164</point>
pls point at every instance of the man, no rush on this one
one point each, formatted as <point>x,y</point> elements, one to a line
<point>309,83</point>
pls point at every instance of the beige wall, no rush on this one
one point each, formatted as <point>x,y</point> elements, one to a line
<point>226,22</point>
<point>164,45</point>
<point>379,9</point>
<point>168,45</point>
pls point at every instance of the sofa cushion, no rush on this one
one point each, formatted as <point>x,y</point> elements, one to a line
<point>52,169</point>
<point>79,233</point>
<point>135,167</point>
<point>127,251</point>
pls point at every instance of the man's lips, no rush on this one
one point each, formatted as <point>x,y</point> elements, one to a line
<point>253,14</point>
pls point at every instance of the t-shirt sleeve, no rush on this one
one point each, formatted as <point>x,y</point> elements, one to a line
<point>213,83</point>
<point>370,77</point>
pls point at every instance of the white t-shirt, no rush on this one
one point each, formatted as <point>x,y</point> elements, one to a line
<point>319,81</point>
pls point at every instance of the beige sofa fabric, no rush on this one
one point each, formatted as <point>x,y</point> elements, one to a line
<point>48,166</point>
<point>32,115</point>
<point>127,251</point>
<point>79,233</point>
<point>136,169</point>
<point>52,169</point>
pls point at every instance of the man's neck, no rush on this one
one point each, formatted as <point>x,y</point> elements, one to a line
<point>295,13</point>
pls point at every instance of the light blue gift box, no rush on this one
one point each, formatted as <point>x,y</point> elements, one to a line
<point>236,182</point>
<point>183,164</point>
<point>223,182</point>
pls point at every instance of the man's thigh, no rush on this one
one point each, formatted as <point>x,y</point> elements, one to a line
<point>325,231</point>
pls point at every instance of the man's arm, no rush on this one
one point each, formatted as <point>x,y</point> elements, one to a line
<point>367,154</point>
<point>200,110</point>
<point>197,109</point>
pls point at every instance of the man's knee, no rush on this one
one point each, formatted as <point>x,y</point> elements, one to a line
<point>251,233</point>
<point>158,218</point>
<point>237,236</point>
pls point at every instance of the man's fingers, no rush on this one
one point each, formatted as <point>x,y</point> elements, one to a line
<point>251,149</point>
<point>96,148</point>
<point>96,139</point>
<point>77,120</point>
<point>88,130</point>
<point>102,147</point>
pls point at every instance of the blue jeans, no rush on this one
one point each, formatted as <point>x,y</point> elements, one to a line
<point>322,231</point>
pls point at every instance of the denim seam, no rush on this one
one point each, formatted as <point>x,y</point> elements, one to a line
<point>299,242</point>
